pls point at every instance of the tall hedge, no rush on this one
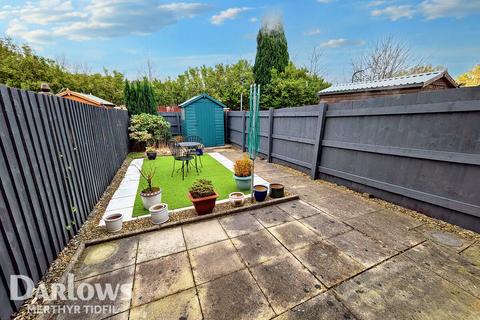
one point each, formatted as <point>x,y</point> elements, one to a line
<point>139,97</point>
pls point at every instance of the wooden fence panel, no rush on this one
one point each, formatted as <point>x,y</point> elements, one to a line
<point>174,118</point>
<point>57,157</point>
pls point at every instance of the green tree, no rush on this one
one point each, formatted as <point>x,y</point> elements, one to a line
<point>139,97</point>
<point>272,52</point>
<point>149,129</point>
<point>470,78</point>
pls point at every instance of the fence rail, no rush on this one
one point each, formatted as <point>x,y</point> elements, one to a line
<point>174,118</point>
<point>57,157</point>
<point>419,150</point>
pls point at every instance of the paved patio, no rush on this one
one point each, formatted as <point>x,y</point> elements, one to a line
<point>330,255</point>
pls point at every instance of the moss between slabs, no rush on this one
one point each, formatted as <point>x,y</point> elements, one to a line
<point>174,189</point>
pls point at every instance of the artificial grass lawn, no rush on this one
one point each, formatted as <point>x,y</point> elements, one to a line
<point>175,190</point>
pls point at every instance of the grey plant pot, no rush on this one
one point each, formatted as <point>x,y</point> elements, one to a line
<point>243,183</point>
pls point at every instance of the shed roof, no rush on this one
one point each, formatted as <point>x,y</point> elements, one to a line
<point>89,97</point>
<point>200,96</point>
<point>418,80</point>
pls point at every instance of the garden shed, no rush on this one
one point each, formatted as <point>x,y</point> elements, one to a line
<point>203,116</point>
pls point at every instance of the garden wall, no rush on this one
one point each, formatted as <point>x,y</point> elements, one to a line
<point>57,157</point>
<point>420,150</point>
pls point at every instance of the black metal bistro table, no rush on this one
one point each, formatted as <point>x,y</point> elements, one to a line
<point>191,147</point>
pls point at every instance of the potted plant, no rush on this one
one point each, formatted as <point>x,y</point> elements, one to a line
<point>260,192</point>
<point>243,173</point>
<point>159,213</point>
<point>150,195</point>
<point>113,222</point>
<point>151,153</point>
<point>237,199</point>
<point>203,196</point>
<point>277,190</point>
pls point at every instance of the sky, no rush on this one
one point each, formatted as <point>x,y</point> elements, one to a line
<point>89,35</point>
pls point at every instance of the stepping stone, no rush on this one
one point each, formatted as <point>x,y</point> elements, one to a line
<point>124,192</point>
<point>182,305</point>
<point>214,260</point>
<point>323,307</point>
<point>294,235</point>
<point>271,216</point>
<point>258,247</point>
<point>298,209</point>
<point>114,304</point>
<point>472,253</point>
<point>361,248</point>
<point>233,297</point>
<point>345,206</point>
<point>106,257</point>
<point>238,224</point>
<point>327,263</point>
<point>161,277</point>
<point>325,226</point>
<point>160,243</point>
<point>400,289</point>
<point>286,282</point>
<point>447,264</point>
<point>203,233</point>
<point>120,203</point>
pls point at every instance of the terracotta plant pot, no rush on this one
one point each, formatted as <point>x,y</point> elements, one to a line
<point>151,198</point>
<point>113,222</point>
<point>260,192</point>
<point>243,183</point>
<point>159,213</point>
<point>204,205</point>
<point>237,199</point>
<point>277,190</point>
<point>151,155</point>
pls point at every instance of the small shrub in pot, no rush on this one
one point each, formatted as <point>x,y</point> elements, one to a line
<point>150,195</point>
<point>243,173</point>
<point>203,196</point>
<point>151,153</point>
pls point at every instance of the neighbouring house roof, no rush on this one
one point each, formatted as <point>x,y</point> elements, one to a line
<point>168,109</point>
<point>419,80</point>
<point>88,97</point>
<point>200,96</point>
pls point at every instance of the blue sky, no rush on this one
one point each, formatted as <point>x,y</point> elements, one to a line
<point>123,34</point>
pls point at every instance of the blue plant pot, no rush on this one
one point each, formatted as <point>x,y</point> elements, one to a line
<point>243,183</point>
<point>260,192</point>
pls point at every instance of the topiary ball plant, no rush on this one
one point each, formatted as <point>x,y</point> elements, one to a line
<point>202,188</point>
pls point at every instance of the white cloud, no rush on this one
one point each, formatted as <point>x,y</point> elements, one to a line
<point>375,3</point>
<point>253,19</point>
<point>395,13</point>
<point>228,14</point>
<point>433,9</point>
<point>42,21</point>
<point>313,32</point>
<point>341,42</point>
<point>325,1</point>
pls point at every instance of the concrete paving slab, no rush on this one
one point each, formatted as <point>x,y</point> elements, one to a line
<point>472,254</point>
<point>399,289</point>
<point>322,307</point>
<point>203,233</point>
<point>285,282</point>
<point>271,216</point>
<point>327,263</point>
<point>294,235</point>
<point>258,247</point>
<point>386,230</point>
<point>120,203</point>
<point>160,243</point>
<point>161,277</point>
<point>183,305</point>
<point>234,297</point>
<point>361,248</point>
<point>345,206</point>
<point>325,225</point>
<point>397,218</point>
<point>274,173</point>
<point>124,192</point>
<point>444,238</point>
<point>447,264</point>
<point>239,224</point>
<point>298,209</point>
<point>214,260</point>
<point>120,316</point>
<point>128,185</point>
<point>106,257</point>
<point>316,191</point>
<point>112,304</point>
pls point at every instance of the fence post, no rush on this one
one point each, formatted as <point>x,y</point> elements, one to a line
<point>243,130</point>
<point>270,132</point>
<point>179,122</point>
<point>317,149</point>
<point>225,125</point>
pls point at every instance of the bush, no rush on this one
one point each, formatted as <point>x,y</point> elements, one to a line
<point>243,167</point>
<point>149,128</point>
<point>202,188</point>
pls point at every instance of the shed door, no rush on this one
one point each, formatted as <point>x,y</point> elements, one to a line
<point>205,113</point>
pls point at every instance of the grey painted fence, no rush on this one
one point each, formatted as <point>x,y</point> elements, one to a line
<point>419,150</point>
<point>57,157</point>
<point>175,121</point>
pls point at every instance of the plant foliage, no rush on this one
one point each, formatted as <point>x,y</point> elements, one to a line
<point>139,98</point>
<point>149,129</point>
<point>202,188</point>
<point>470,78</point>
<point>243,167</point>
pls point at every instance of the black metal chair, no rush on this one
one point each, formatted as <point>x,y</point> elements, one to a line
<point>198,152</point>
<point>179,154</point>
